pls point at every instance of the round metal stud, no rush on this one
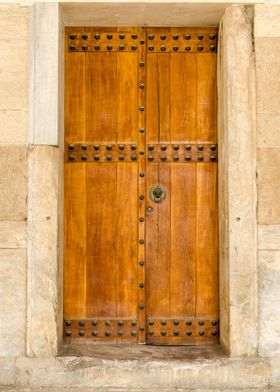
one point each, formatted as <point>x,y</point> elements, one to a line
<point>141,197</point>
<point>142,86</point>
<point>68,333</point>
<point>200,48</point>
<point>175,36</point>
<point>187,48</point>
<point>94,323</point>
<point>141,263</point>
<point>109,147</point>
<point>84,36</point>
<point>134,322</point>
<point>151,36</point>
<point>163,48</point>
<point>176,332</point>
<point>71,147</point>
<point>201,322</point>
<point>176,147</point>
<point>150,332</point>
<point>189,322</point>
<point>187,36</point>
<point>212,37</point>
<point>212,147</point>
<point>121,157</point>
<point>142,152</point>
<point>189,333</point>
<point>176,158</point>
<point>188,147</point>
<point>163,322</point>
<point>68,323</point>
<point>175,48</point>
<point>141,306</point>
<point>107,322</point>
<point>96,157</point>
<point>141,108</point>
<point>141,219</point>
<point>133,147</point>
<point>107,333</point>
<point>163,37</point>
<point>200,37</point>
<point>72,47</point>
<point>212,158</point>
<point>81,323</point>
<point>120,333</point>
<point>151,147</point>
<point>176,322</point>
<point>151,158</point>
<point>200,158</point>
<point>82,333</point>
<point>85,47</point>
<point>142,63</point>
<point>151,322</point>
<point>188,157</point>
<point>133,47</point>
<point>109,47</point>
<point>141,285</point>
<point>142,42</point>
<point>212,48</point>
<point>200,147</point>
<point>109,36</point>
<point>121,47</point>
<point>142,328</point>
<point>150,209</point>
<point>163,158</point>
<point>84,157</point>
<point>96,147</point>
<point>214,322</point>
<point>201,333</point>
<point>151,48</point>
<point>142,174</point>
<point>121,147</point>
<point>96,47</point>
<point>109,157</point>
<point>94,333</point>
<point>141,242</point>
<point>121,36</point>
<point>84,147</point>
<point>163,147</point>
<point>214,333</point>
<point>72,36</point>
<point>97,36</point>
<point>120,322</point>
<point>141,130</point>
<point>163,333</point>
<point>134,36</point>
<point>133,157</point>
<point>71,158</point>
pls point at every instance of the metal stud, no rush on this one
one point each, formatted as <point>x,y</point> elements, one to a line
<point>68,333</point>
<point>176,332</point>
<point>133,157</point>
<point>134,47</point>
<point>175,36</point>
<point>141,219</point>
<point>109,36</point>
<point>134,36</point>
<point>151,322</point>
<point>214,322</point>
<point>142,174</point>
<point>134,322</point>
<point>200,37</point>
<point>121,147</point>
<point>107,322</point>
<point>71,158</point>
<point>97,36</point>
<point>163,333</point>
<point>151,158</point>
<point>212,147</point>
<point>97,47</point>
<point>151,48</point>
<point>200,147</point>
<point>141,263</point>
<point>71,147</point>
<point>120,333</point>
<point>68,323</point>
<point>176,322</point>
<point>201,322</point>
<point>151,36</point>
<point>121,157</point>
<point>188,147</point>
<point>141,242</point>
<point>142,85</point>
<point>163,48</point>
<point>85,47</point>
<point>150,332</point>
<point>109,47</point>
<point>107,333</point>
<point>176,146</point>
<point>163,147</point>
<point>187,36</point>
<point>187,48</point>
<point>150,209</point>
<point>82,333</point>
<point>163,158</point>
<point>141,306</point>
<point>151,147</point>
<point>84,147</point>
<point>84,36</point>
<point>142,328</point>
<point>188,157</point>
<point>121,36</point>
<point>212,158</point>
<point>176,158</point>
<point>163,37</point>
<point>109,147</point>
<point>96,147</point>
<point>121,47</point>
<point>84,157</point>
<point>72,47</point>
<point>141,108</point>
<point>163,322</point>
<point>200,48</point>
<point>142,152</point>
<point>94,333</point>
<point>212,37</point>
<point>189,322</point>
<point>142,42</point>
<point>175,48</point>
<point>201,333</point>
<point>141,285</point>
<point>96,157</point>
<point>94,323</point>
<point>120,322</point>
<point>212,48</point>
<point>189,333</point>
<point>141,197</point>
<point>109,157</point>
<point>200,158</point>
<point>142,63</point>
<point>133,147</point>
<point>72,36</point>
<point>81,323</point>
<point>141,130</point>
<point>214,333</point>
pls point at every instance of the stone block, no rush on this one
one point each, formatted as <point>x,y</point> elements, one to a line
<point>7,371</point>
<point>13,271</point>
<point>267,72</point>
<point>268,186</point>
<point>14,22</point>
<point>12,234</point>
<point>13,127</point>
<point>269,237</point>
<point>269,301</point>
<point>268,130</point>
<point>275,371</point>
<point>267,19</point>
<point>13,183</point>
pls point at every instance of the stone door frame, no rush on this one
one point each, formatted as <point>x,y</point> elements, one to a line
<point>237,179</point>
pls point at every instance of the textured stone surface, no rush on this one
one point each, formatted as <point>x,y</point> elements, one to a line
<point>7,372</point>
<point>275,371</point>
<point>237,184</point>
<point>43,173</point>
<point>267,19</point>
<point>13,127</point>
<point>12,302</point>
<point>269,237</point>
<point>268,186</point>
<point>268,126</point>
<point>12,234</point>
<point>269,301</point>
<point>13,183</point>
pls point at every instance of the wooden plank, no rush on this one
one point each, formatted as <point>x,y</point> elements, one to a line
<point>127,97</point>
<point>126,240</point>
<point>152,98</point>
<point>164,102</point>
<point>183,240</point>
<point>206,97</point>
<point>101,96</point>
<point>207,241</point>
<point>101,240</point>
<point>75,241</point>
<point>184,96</point>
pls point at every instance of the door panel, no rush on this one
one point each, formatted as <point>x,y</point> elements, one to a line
<point>141,229</point>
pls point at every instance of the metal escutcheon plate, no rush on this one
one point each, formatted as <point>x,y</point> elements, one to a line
<point>157,193</point>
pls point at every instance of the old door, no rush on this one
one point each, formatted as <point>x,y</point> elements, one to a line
<point>140,227</point>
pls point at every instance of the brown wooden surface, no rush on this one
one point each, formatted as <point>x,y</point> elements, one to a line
<point>111,279</point>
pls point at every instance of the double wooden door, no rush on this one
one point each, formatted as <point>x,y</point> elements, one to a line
<point>140,231</point>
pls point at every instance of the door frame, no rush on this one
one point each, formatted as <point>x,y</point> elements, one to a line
<point>237,175</point>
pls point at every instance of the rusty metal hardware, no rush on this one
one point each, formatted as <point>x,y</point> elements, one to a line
<point>157,193</point>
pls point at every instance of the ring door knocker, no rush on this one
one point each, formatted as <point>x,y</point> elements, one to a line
<point>157,193</point>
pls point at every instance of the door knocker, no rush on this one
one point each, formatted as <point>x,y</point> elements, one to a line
<point>157,193</point>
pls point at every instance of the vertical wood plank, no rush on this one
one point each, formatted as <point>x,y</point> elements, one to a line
<point>207,293</point>
<point>164,91</point>
<point>126,240</point>
<point>101,96</point>
<point>206,97</point>
<point>101,240</point>
<point>183,240</point>
<point>152,98</point>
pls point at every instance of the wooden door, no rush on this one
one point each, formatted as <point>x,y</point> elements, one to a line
<point>140,227</point>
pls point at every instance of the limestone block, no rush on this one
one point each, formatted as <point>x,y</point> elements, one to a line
<point>268,130</point>
<point>13,127</point>
<point>12,234</point>
<point>267,71</point>
<point>269,301</point>
<point>275,370</point>
<point>14,22</point>
<point>269,237</point>
<point>7,371</point>
<point>13,272</point>
<point>13,183</point>
<point>268,186</point>
<point>43,174</point>
<point>267,19</point>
